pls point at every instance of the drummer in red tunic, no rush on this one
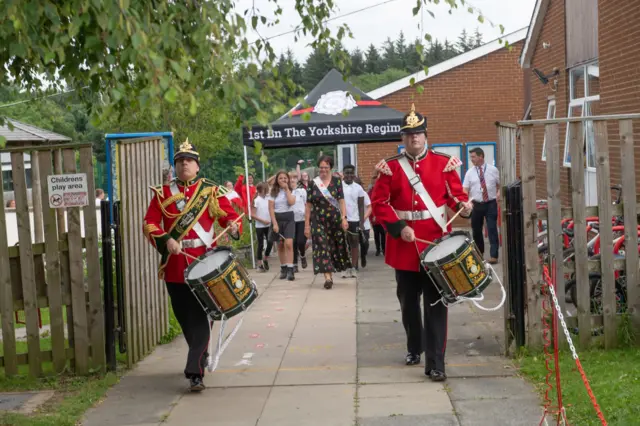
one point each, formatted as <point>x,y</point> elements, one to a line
<point>180,220</point>
<point>409,199</point>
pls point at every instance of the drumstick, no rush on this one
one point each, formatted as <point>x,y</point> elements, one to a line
<point>226,229</point>
<point>453,218</point>
<point>426,242</point>
<point>190,257</point>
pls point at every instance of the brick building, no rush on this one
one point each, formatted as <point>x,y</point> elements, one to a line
<point>462,99</point>
<point>593,45</point>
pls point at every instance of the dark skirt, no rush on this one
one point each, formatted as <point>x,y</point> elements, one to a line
<point>286,227</point>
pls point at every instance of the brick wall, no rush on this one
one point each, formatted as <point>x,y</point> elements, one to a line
<point>553,32</point>
<point>619,57</point>
<point>461,105</point>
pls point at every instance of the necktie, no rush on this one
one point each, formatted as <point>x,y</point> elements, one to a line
<point>483,184</point>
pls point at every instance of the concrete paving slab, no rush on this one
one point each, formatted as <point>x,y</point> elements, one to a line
<point>229,407</point>
<point>461,389</point>
<point>402,420</point>
<point>310,405</point>
<point>512,412</point>
<point>399,373</point>
<point>381,344</point>
<point>384,400</point>
<point>480,366</point>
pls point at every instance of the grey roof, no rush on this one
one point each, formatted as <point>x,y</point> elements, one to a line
<point>23,132</point>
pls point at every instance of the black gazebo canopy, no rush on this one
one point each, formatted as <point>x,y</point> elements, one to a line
<point>325,121</point>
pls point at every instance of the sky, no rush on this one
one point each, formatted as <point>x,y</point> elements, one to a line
<point>377,23</point>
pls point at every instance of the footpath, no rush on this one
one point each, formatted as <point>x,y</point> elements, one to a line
<point>308,356</point>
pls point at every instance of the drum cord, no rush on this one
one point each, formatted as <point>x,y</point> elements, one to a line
<point>212,364</point>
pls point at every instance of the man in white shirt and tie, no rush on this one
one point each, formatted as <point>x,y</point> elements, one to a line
<point>482,183</point>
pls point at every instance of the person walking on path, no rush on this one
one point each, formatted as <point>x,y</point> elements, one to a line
<point>179,222</point>
<point>260,212</point>
<point>410,199</point>
<point>379,234</point>
<point>354,201</point>
<point>366,232</point>
<point>283,227</point>
<point>326,222</point>
<point>482,183</point>
<point>299,240</point>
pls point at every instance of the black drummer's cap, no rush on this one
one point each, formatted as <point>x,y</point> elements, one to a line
<point>187,150</point>
<point>413,122</point>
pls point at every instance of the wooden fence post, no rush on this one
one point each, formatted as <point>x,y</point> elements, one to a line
<point>606,234</point>
<point>528,171</point>
<point>580,234</point>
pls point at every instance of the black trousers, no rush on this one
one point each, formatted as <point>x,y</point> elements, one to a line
<point>379,237</point>
<point>433,336</point>
<point>196,327</point>
<point>263,235</point>
<point>480,212</point>
<point>364,243</point>
<point>299,241</point>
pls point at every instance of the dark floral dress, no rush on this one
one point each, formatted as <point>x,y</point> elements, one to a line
<point>330,250</point>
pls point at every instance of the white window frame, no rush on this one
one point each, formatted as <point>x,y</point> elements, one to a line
<point>551,103</point>
<point>582,102</point>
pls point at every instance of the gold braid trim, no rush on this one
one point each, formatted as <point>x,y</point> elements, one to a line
<point>172,199</point>
<point>186,208</point>
<point>149,228</point>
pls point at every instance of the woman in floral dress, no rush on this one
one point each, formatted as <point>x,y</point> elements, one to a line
<point>326,223</point>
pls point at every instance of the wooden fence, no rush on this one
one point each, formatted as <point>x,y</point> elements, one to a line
<point>57,267</point>
<point>607,265</point>
<point>139,166</point>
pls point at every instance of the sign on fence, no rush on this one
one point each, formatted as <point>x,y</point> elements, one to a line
<point>68,190</point>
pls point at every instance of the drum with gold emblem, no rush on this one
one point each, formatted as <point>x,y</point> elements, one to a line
<point>220,283</point>
<point>456,267</point>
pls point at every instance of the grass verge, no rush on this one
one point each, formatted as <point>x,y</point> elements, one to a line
<point>74,395</point>
<point>614,376</point>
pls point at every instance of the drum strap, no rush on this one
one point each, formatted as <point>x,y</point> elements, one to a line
<point>438,214</point>
<point>206,237</point>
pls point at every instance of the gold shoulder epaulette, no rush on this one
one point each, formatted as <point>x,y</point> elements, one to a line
<point>440,153</point>
<point>157,189</point>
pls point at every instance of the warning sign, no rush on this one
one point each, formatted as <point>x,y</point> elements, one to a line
<point>68,190</point>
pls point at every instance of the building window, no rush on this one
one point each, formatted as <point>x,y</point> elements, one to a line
<point>551,114</point>
<point>584,89</point>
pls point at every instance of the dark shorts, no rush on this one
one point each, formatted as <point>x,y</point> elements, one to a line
<point>286,227</point>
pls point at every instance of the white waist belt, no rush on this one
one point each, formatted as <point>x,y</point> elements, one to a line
<point>417,214</point>
<point>192,243</point>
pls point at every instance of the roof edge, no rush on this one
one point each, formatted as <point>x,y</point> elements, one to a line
<point>535,28</point>
<point>449,64</point>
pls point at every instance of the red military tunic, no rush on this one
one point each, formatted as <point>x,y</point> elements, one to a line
<point>163,213</point>
<point>393,193</point>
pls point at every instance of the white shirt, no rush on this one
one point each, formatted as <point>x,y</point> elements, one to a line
<point>262,211</point>
<point>300,205</point>
<point>281,205</point>
<point>367,203</point>
<point>352,192</point>
<point>472,181</point>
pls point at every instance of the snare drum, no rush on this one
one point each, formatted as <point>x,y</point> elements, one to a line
<point>220,283</point>
<point>456,267</point>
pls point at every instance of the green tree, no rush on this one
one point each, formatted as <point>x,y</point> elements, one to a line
<point>318,64</point>
<point>390,56</point>
<point>357,62</point>
<point>477,38</point>
<point>401,52</point>
<point>370,81</point>
<point>372,60</point>
<point>465,43</point>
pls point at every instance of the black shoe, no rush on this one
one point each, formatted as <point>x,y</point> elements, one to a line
<point>364,261</point>
<point>290,276</point>
<point>261,268</point>
<point>295,269</point>
<point>377,253</point>
<point>265,264</point>
<point>303,260</point>
<point>436,375</point>
<point>196,384</point>
<point>283,272</point>
<point>412,359</point>
<point>328,284</point>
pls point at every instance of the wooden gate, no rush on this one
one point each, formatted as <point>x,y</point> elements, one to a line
<point>608,264</point>
<point>139,166</point>
<point>54,269</point>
